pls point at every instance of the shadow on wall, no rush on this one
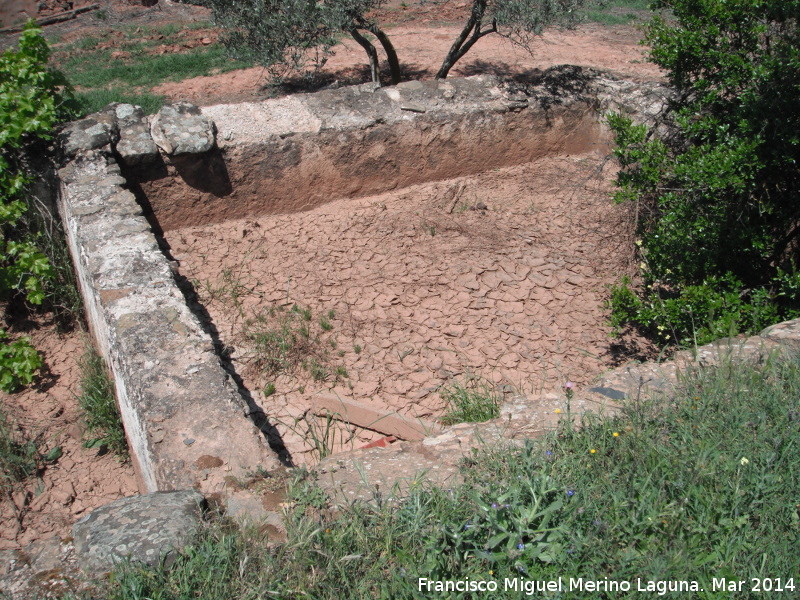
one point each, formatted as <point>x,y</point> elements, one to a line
<point>206,173</point>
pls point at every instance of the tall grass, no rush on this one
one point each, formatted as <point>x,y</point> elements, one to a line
<point>619,12</point>
<point>703,486</point>
<point>472,401</point>
<point>99,405</point>
<point>101,78</point>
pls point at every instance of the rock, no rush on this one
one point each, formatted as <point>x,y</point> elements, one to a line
<point>135,146</point>
<point>413,107</point>
<point>142,528</point>
<point>182,129</point>
<point>91,133</point>
<point>786,333</point>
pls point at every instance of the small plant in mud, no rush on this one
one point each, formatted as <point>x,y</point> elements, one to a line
<point>323,434</point>
<point>284,340</point>
<point>19,456</point>
<point>99,405</point>
<point>474,400</point>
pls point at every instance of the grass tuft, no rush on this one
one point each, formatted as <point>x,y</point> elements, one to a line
<point>99,405</point>
<point>19,456</point>
<point>471,401</point>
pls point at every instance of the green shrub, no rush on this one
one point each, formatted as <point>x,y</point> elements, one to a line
<point>32,98</point>
<point>19,362</point>
<point>716,186</point>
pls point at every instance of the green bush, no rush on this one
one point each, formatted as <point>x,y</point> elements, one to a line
<point>716,186</point>
<point>32,98</point>
<point>19,362</point>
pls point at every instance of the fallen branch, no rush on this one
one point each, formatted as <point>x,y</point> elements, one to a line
<point>52,19</point>
<point>457,196</point>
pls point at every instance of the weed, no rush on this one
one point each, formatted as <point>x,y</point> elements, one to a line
<point>325,324</point>
<point>325,434</point>
<point>99,405</point>
<point>305,313</point>
<point>269,390</point>
<point>473,401</point>
<point>229,288</point>
<point>318,371</point>
<point>357,348</point>
<point>341,372</point>
<point>283,340</point>
<point>19,456</point>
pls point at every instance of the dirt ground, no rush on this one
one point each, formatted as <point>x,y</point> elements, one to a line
<point>422,290</point>
<point>512,292</point>
<point>81,479</point>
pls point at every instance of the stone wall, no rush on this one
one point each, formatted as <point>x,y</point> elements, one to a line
<point>187,425</point>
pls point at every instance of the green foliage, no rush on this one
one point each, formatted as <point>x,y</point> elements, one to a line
<point>519,21</point>
<point>30,103</point>
<point>279,32</point>
<point>299,35</point>
<point>19,362</point>
<point>32,98</point>
<point>99,405</point>
<point>473,401</point>
<point>717,192</point>
<point>661,492</point>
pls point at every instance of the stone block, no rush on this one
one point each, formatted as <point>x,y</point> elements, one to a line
<point>181,128</point>
<point>140,528</point>
<point>91,133</point>
<point>135,146</point>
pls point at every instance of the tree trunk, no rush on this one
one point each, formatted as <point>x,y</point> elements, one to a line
<point>388,47</point>
<point>374,67</point>
<point>467,38</point>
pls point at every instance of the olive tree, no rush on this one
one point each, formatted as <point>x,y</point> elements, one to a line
<point>291,34</point>
<point>518,20</point>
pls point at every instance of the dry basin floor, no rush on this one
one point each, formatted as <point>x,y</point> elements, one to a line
<point>500,275</point>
